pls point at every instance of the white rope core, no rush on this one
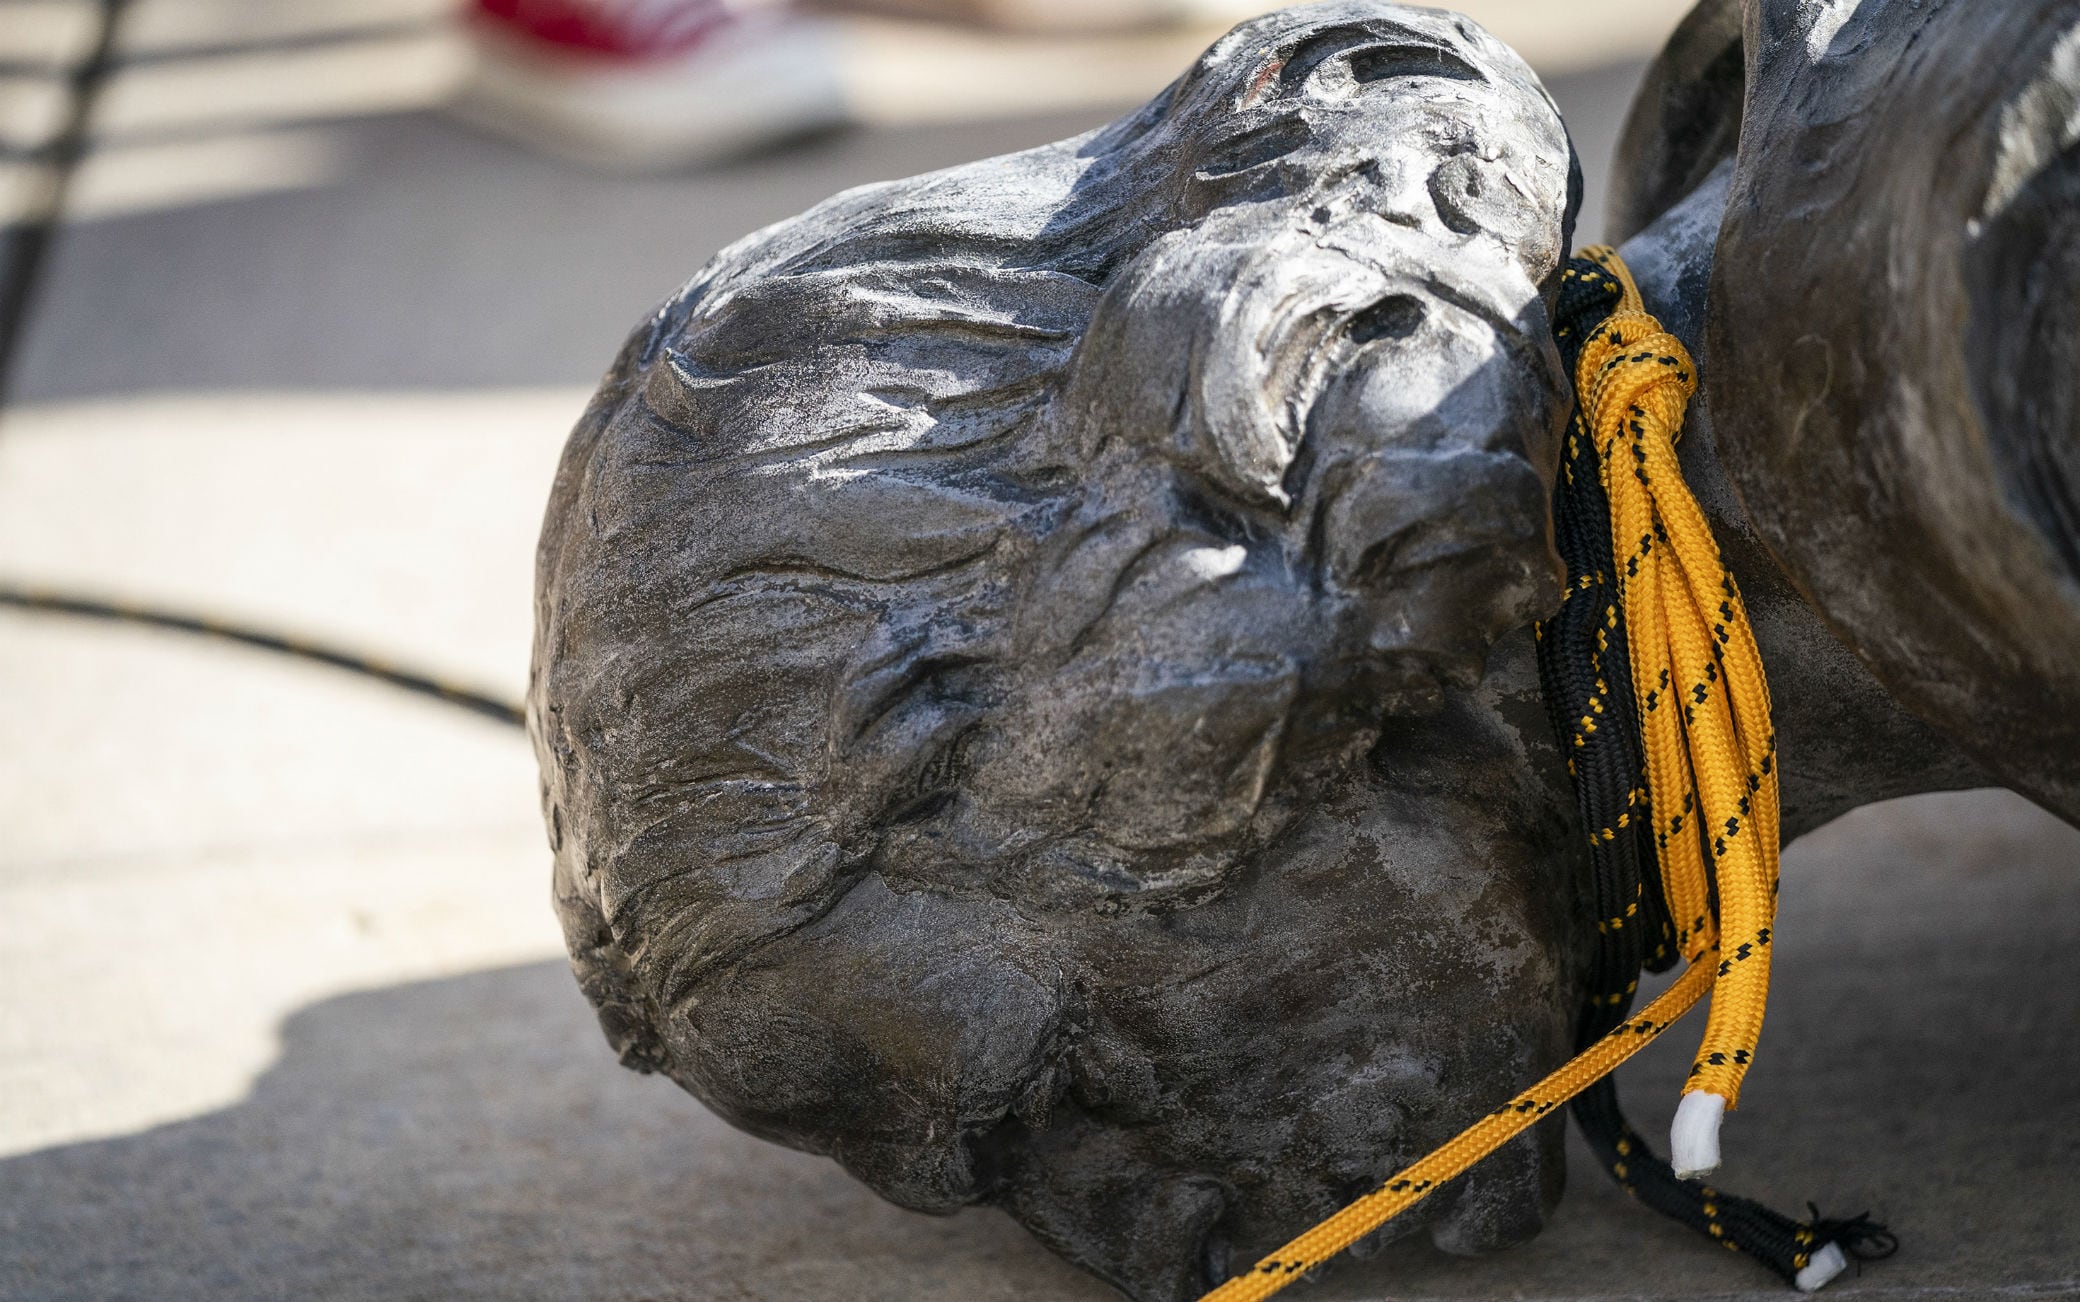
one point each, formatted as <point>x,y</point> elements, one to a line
<point>1693,1141</point>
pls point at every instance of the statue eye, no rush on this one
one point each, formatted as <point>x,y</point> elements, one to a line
<point>1275,139</point>
<point>1341,60</point>
<point>1380,62</point>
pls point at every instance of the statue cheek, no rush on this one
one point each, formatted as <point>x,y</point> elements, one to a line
<point>1474,196</point>
<point>1150,758</point>
<point>895,1034</point>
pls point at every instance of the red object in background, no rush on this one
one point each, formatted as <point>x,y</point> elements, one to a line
<point>618,29</point>
<point>644,85</point>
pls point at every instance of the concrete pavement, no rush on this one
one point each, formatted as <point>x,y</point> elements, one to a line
<point>282,1011</point>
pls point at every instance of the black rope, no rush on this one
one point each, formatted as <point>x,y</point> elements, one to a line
<point>367,666</point>
<point>1586,674</point>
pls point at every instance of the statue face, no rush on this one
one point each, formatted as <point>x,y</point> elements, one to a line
<point>1310,428</point>
<point>1009,647</point>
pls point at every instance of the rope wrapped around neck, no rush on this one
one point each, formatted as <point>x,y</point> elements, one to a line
<point>1656,691</point>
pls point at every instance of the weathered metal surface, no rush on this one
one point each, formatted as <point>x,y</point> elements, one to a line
<point>981,622</point>
<point>1033,680</point>
<point>1891,328</point>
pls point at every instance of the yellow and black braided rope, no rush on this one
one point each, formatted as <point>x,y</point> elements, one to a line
<point>1647,837</point>
<point>1412,1184</point>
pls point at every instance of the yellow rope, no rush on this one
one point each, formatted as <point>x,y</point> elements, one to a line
<point>1413,1184</point>
<point>1711,772</point>
<point>1697,674</point>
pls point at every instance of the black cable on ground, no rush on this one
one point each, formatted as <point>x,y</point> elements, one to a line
<point>22,267</point>
<point>29,245</point>
<point>425,684</point>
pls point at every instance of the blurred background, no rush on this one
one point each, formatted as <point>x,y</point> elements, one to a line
<point>300,299</point>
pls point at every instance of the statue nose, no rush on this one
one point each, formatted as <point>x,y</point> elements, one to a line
<point>1395,317</point>
<point>1402,509</point>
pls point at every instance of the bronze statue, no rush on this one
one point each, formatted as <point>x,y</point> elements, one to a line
<point>1033,678</point>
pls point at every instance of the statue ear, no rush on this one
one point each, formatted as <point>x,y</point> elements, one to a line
<point>1684,121</point>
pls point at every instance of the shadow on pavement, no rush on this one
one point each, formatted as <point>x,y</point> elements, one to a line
<point>472,1138</point>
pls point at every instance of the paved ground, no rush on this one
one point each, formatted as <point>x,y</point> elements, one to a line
<point>281,1008</point>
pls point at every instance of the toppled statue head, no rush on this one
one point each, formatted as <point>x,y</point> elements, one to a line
<point>1007,650</point>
